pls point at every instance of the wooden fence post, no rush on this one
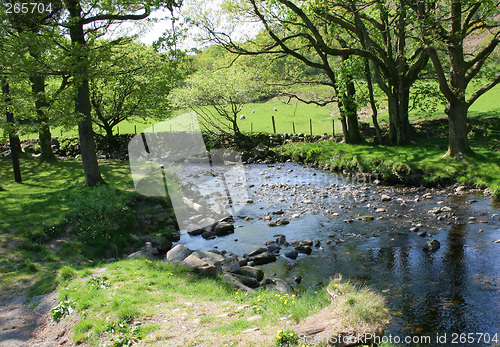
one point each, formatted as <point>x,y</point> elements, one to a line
<point>311,126</point>
<point>293,126</point>
<point>274,125</point>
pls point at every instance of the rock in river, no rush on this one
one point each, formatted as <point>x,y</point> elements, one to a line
<point>194,230</point>
<point>432,246</point>
<point>263,258</point>
<point>251,271</point>
<point>304,249</point>
<point>385,197</point>
<point>292,254</point>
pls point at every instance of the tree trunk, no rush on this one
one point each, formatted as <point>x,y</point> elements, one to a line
<point>110,139</point>
<point>457,119</point>
<point>405,131</point>
<point>86,134</point>
<point>349,116</point>
<point>400,128</point>
<point>15,145</point>
<point>82,102</point>
<point>393,116</point>
<point>47,155</point>
<point>236,128</point>
<point>38,88</point>
<point>368,76</point>
<point>355,136</point>
<point>343,122</point>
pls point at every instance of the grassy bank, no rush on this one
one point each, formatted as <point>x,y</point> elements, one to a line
<point>419,163</point>
<point>164,297</point>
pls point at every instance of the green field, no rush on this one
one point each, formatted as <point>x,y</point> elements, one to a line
<point>301,115</point>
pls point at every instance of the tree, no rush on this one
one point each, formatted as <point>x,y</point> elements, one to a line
<point>317,32</point>
<point>292,32</point>
<point>100,16</point>
<point>217,96</point>
<point>460,36</point>
<point>15,147</point>
<point>383,31</point>
<point>25,28</point>
<point>135,84</point>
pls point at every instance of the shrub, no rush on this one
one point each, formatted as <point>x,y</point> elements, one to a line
<point>101,215</point>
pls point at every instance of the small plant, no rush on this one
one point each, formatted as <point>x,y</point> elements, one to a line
<point>48,233</point>
<point>125,336</point>
<point>65,274</point>
<point>124,340</point>
<point>64,308</point>
<point>286,338</point>
<point>100,282</point>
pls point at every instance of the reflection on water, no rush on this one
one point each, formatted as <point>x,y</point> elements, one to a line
<point>453,290</point>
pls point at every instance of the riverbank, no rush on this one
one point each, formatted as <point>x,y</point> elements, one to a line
<point>413,165</point>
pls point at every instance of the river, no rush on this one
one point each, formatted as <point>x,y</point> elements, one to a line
<point>453,290</point>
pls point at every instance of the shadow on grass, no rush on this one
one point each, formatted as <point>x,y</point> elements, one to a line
<point>30,208</point>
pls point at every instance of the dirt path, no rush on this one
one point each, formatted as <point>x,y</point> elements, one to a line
<point>27,322</point>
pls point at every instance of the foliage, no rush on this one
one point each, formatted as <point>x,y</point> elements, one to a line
<point>100,282</point>
<point>419,163</point>
<point>217,96</point>
<point>65,274</point>
<point>64,308</point>
<point>133,85</point>
<point>101,214</point>
<point>286,338</point>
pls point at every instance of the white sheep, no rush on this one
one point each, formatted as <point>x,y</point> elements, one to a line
<point>242,116</point>
<point>275,109</point>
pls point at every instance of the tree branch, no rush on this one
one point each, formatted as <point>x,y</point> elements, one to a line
<point>483,90</point>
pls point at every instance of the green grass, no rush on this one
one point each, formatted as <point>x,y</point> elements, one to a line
<point>138,288</point>
<point>422,161</point>
<point>34,210</point>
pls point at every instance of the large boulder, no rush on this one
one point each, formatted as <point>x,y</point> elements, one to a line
<point>140,254</point>
<point>292,254</point>
<point>208,235</point>
<point>263,258</point>
<point>246,280</point>
<point>223,229</point>
<point>231,264</point>
<point>194,230</point>
<point>304,249</point>
<point>257,251</point>
<point>251,271</point>
<point>178,253</point>
<point>200,265</point>
<point>276,284</point>
<point>162,244</point>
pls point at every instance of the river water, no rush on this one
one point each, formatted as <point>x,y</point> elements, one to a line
<point>453,290</point>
